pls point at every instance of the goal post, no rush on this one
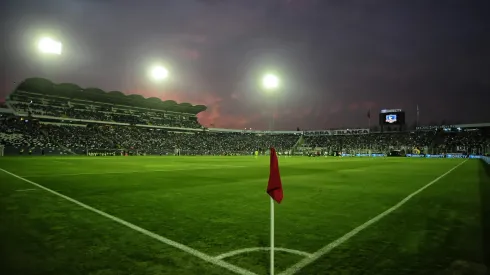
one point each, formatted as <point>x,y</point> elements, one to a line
<point>2,150</point>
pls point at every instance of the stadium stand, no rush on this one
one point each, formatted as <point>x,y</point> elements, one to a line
<point>378,142</point>
<point>439,140</point>
<point>41,98</point>
<point>18,134</point>
<point>65,119</point>
<point>41,117</point>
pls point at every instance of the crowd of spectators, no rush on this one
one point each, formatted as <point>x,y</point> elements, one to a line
<point>80,138</point>
<point>462,141</point>
<point>380,142</point>
<point>22,134</point>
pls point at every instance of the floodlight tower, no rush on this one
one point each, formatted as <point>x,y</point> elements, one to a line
<point>47,45</point>
<point>158,73</point>
<point>49,50</point>
<point>270,84</point>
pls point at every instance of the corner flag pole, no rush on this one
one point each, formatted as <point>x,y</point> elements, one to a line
<point>272,236</point>
<point>271,126</point>
<point>274,189</point>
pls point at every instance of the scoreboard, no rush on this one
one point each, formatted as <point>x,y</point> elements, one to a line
<point>389,117</point>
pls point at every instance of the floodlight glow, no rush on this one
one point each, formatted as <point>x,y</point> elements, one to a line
<point>270,81</point>
<point>159,73</point>
<point>50,46</point>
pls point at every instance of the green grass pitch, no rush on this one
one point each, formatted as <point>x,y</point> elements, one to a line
<point>208,208</point>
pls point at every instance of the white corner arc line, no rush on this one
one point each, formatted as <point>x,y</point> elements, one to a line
<point>324,250</point>
<point>143,231</point>
<point>254,249</point>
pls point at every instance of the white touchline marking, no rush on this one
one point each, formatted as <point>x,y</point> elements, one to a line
<point>324,250</point>
<point>143,231</point>
<point>253,249</point>
<point>24,190</point>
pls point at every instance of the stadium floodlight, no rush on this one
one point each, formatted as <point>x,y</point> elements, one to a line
<point>158,73</point>
<point>270,82</point>
<point>48,45</point>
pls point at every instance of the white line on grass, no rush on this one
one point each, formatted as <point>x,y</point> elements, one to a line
<point>253,249</point>
<point>25,190</point>
<point>150,234</point>
<point>324,250</point>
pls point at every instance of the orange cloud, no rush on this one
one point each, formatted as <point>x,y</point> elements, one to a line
<point>235,96</point>
<point>190,54</point>
<point>213,115</point>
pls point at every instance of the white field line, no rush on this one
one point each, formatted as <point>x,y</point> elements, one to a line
<point>253,249</point>
<point>25,190</point>
<point>324,250</point>
<point>143,231</point>
<point>129,172</point>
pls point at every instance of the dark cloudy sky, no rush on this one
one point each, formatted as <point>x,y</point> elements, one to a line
<point>336,58</point>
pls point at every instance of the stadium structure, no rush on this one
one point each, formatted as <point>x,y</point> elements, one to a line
<point>95,182</point>
<point>41,117</point>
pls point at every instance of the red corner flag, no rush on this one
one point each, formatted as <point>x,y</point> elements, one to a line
<point>274,188</point>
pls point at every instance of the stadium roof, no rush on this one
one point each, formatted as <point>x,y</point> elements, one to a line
<point>73,91</point>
